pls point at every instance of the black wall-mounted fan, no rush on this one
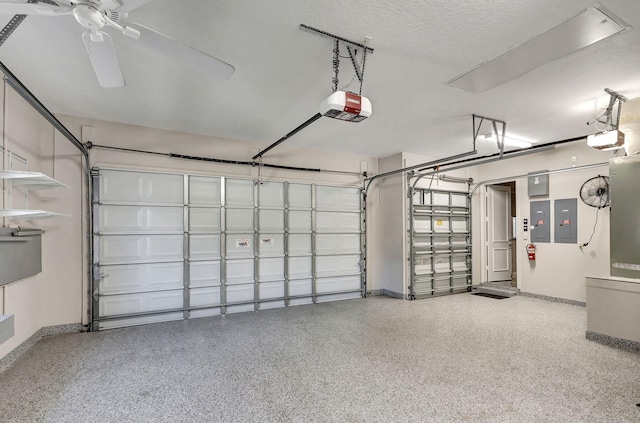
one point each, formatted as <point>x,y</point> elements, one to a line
<point>595,192</point>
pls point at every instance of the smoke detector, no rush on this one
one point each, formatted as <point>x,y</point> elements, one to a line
<point>346,106</point>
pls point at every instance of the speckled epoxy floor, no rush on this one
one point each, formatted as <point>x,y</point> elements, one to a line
<point>459,358</point>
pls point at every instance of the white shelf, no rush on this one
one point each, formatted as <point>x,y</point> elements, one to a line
<point>34,180</point>
<point>28,214</point>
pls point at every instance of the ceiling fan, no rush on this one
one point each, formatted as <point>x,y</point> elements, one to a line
<point>95,15</point>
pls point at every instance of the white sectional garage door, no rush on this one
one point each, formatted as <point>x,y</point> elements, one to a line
<point>173,246</point>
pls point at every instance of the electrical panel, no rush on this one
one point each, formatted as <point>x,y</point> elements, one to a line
<point>565,222</point>
<point>540,221</point>
<point>538,185</point>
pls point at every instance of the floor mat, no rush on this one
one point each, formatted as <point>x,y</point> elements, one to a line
<point>484,294</point>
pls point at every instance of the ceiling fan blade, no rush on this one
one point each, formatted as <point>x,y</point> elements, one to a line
<point>104,60</point>
<point>129,5</point>
<point>170,47</point>
<point>13,8</point>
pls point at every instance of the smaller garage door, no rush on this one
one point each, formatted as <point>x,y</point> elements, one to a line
<point>440,243</point>
<point>173,246</point>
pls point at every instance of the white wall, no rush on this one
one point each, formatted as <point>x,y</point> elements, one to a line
<point>560,269</point>
<point>51,297</point>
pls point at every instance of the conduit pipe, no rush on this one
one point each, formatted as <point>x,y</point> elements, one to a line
<point>28,96</point>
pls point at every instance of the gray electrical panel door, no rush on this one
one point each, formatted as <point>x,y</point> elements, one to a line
<point>540,221</point>
<point>538,185</point>
<point>565,222</point>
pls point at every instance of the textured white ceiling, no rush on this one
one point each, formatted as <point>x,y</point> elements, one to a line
<point>282,73</point>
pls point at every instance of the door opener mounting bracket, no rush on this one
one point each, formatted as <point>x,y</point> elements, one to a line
<point>352,49</point>
<point>499,127</point>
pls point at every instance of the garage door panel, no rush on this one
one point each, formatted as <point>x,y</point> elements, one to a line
<point>299,221</point>
<point>325,285</point>
<point>271,269</point>
<point>143,302</point>
<point>240,220</point>
<point>300,268</point>
<point>204,190</point>
<point>135,248</point>
<point>204,273</point>
<point>237,293</point>
<point>300,287</point>
<point>299,244</point>
<point>120,279</point>
<point>339,297</point>
<point>239,245</point>
<point>300,196</point>
<point>239,192</point>
<point>271,289</point>
<point>271,220</point>
<point>327,244</point>
<point>203,297</point>
<point>239,272</point>
<point>140,219</point>
<point>271,194</point>
<point>337,222</point>
<point>334,198</point>
<point>337,265</point>
<point>271,245</point>
<point>204,219</point>
<point>141,187</point>
<point>207,312</point>
<point>204,246</point>
<point>142,320</point>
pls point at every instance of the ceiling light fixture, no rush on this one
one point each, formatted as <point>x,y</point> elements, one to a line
<point>592,25</point>
<point>512,142</point>
<point>611,140</point>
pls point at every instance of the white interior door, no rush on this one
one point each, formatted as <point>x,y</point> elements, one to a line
<point>498,228</point>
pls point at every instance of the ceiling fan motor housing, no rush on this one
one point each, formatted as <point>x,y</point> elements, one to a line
<point>346,106</point>
<point>89,16</point>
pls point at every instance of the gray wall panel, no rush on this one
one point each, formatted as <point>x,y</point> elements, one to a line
<point>625,209</point>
